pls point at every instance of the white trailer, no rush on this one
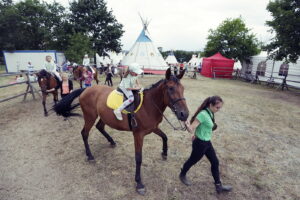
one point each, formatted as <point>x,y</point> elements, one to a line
<point>269,70</point>
<point>18,60</point>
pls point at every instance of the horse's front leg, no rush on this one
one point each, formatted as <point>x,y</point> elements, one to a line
<point>164,138</point>
<point>96,78</point>
<point>80,82</point>
<point>138,144</point>
<point>55,97</point>
<point>44,105</point>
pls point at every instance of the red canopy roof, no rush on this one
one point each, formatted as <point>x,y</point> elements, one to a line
<point>217,65</point>
<point>218,56</point>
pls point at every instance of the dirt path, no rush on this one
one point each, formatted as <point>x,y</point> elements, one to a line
<point>257,143</point>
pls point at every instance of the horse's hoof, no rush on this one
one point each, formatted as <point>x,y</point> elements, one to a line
<point>91,159</point>
<point>141,191</point>
<point>113,145</point>
<point>164,157</point>
<point>46,114</point>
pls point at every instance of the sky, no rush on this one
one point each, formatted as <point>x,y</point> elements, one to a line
<point>184,24</point>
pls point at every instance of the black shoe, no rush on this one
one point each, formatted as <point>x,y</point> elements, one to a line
<point>223,188</point>
<point>184,180</point>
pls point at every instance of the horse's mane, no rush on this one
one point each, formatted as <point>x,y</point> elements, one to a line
<point>43,73</point>
<point>155,85</point>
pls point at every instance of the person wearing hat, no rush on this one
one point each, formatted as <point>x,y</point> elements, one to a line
<point>129,82</point>
<point>86,63</point>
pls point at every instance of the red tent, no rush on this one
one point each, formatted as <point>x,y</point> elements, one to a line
<point>217,66</point>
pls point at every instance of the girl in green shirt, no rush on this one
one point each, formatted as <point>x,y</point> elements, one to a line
<point>201,125</point>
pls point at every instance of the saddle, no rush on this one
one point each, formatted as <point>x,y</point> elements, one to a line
<point>117,97</point>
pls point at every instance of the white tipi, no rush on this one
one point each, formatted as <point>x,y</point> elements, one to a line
<point>145,53</point>
<point>195,61</point>
<point>171,59</point>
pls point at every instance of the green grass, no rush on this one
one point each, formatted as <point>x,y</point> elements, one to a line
<point>2,69</point>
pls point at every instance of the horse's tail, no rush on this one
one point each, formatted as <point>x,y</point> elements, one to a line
<point>64,107</point>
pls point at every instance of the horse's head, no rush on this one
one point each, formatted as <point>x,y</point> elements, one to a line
<point>43,80</point>
<point>77,72</point>
<point>173,95</point>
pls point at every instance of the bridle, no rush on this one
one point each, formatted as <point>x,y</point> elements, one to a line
<point>173,108</point>
<point>47,77</point>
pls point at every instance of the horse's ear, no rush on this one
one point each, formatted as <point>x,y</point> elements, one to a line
<point>168,73</point>
<point>181,74</point>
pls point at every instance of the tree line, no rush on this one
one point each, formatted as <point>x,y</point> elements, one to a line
<point>234,40</point>
<point>89,27</point>
<point>86,27</point>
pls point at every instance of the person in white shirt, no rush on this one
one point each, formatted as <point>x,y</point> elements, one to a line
<point>30,68</point>
<point>86,63</point>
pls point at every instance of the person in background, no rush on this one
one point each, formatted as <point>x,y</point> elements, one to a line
<point>202,125</point>
<point>65,66</point>
<point>86,63</point>
<point>87,77</point>
<point>109,76</point>
<point>20,78</point>
<point>30,68</point>
<point>50,66</point>
<point>175,70</point>
<point>66,86</point>
<point>200,67</point>
<point>186,68</point>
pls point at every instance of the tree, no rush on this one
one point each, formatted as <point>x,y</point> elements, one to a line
<point>79,46</point>
<point>29,24</point>
<point>232,39</point>
<point>61,29</point>
<point>92,18</point>
<point>286,26</point>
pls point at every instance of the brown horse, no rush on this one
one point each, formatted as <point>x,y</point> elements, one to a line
<point>47,81</point>
<point>167,92</point>
<point>78,74</point>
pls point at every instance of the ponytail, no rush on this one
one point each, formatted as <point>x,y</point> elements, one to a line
<point>204,105</point>
<point>209,100</point>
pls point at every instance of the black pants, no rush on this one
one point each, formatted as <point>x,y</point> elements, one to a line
<point>109,81</point>
<point>201,148</point>
<point>63,95</point>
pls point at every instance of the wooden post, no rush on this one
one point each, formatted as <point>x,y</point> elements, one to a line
<point>283,84</point>
<point>30,87</point>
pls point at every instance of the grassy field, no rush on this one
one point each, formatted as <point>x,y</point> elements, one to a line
<point>257,143</point>
<point>2,69</point>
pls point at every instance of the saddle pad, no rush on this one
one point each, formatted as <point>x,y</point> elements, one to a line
<point>115,100</point>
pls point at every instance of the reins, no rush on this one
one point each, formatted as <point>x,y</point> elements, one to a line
<point>182,128</point>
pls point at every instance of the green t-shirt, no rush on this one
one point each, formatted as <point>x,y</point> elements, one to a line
<point>204,129</point>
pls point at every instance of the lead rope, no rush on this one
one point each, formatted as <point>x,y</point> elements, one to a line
<point>182,128</point>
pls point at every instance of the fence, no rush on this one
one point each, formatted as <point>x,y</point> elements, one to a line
<point>222,72</point>
<point>272,72</point>
<point>29,90</point>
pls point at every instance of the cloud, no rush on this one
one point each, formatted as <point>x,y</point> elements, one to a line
<point>179,24</point>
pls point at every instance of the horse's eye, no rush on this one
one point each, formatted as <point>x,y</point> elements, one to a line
<point>171,89</point>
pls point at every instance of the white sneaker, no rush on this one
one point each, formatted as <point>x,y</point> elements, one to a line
<point>118,114</point>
